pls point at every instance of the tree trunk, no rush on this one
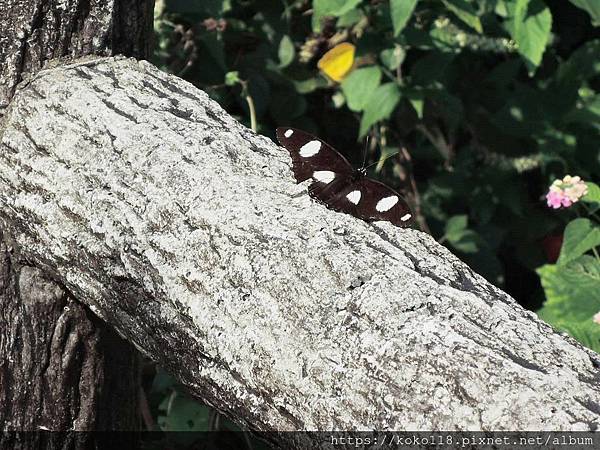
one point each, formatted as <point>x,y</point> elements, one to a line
<point>61,368</point>
<point>185,231</point>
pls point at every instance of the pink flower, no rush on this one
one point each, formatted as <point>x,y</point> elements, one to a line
<point>597,317</point>
<point>565,192</point>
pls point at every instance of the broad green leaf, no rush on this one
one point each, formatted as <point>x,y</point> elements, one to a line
<point>465,12</point>
<point>400,11</point>
<point>530,28</point>
<point>593,194</point>
<point>460,237</point>
<point>286,51</point>
<point>350,18</point>
<point>592,7</point>
<point>581,235</point>
<point>328,8</point>
<point>392,57</point>
<point>358,87</point>
<point>455,226</point>
<point>468,242</point>
<point>380,106</point>
<point>572,290</point>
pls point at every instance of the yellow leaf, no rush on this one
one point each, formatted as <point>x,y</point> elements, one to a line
<point>338,61</point>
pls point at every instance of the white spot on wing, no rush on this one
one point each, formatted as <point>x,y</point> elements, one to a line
<point>324,176</point>
<point>310,149</point>
<point>354,197</point>
<point>405,217</point>
<point>386,203</point>
<point>288,133</point>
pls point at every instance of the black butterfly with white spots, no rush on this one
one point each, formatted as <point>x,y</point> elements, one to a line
<point>339,186</point>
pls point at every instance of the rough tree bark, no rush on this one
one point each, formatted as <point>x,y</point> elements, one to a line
<point>185,231</point>
<point>60,367</point>
<point>35,31</point>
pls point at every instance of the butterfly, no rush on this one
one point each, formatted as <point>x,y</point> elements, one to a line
<point>339,186</point>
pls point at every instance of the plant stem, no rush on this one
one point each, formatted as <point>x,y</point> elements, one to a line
<point>250,101</point>
<point>252,112</point>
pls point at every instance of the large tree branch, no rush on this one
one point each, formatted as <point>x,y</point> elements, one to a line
<point>185,231</point>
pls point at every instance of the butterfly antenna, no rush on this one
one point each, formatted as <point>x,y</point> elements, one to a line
<point>365,152</point>
<point>381,160</point>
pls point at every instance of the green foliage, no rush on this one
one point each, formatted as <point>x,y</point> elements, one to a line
<point>573,297</point>
<point>572,285</point>
<point>459,236</point>
<point>581,235</point>
<point>592,7</point>
<point>381,104</point>
<point>465,12</point>
<point>359,86</point>
<point>488,102</point>
<point>530,26</point>
<point>401,11</point>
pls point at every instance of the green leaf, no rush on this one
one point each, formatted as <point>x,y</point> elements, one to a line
<point>583,63</point>
<point>392,57</point>
<point>592,7</point>
<point>465,12</point>
<point>455,226</point>
<point>530,28</point>
<point>417,100</point>
<point>572,290</point>
<point>286,51</point>
<point>581,235</point>
<point>309,85</point>
<point>468,242</point>
<point>350,18</point>
<point>400,11</point>
<point>460,237</point>
<point>232,78</point>
<point>380,106</point>
<point>328,8</point>
<point>360,85</point>
<point>593,194</point>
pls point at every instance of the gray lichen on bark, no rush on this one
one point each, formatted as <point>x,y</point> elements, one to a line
<point>185,231</point>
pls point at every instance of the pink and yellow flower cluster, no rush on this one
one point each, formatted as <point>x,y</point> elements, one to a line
<point>565,192</point>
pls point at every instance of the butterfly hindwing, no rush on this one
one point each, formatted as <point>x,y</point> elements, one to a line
<point>380,202</point>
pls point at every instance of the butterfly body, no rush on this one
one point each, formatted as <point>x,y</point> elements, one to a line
<point>339,186</point>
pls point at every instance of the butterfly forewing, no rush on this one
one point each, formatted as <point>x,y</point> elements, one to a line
<point>310,154</point>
